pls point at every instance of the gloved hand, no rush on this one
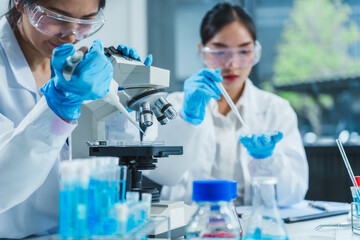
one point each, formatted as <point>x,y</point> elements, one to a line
<point>261,145</point>
<point>198,90</point>
<point>90,80</point>
<point>132,53</point>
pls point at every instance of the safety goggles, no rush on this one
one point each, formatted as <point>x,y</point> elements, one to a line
<point>222,57</point>
<point>57,25</point>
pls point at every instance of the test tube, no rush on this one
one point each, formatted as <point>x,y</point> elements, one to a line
<point>82,199</point>
<point>132,200</point>
<point>121,183</point>
<point>146,205</point>
<point>122,213</point>
<point>66,200</point>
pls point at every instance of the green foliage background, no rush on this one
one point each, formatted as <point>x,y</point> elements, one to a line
<point>315,46</point>
<point>315,42</point>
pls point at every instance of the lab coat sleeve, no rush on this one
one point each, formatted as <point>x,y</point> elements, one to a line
<point>290,162</point>
<point>179,132</point>
<point>28,152</point>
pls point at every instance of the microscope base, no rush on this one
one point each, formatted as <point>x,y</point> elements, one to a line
<point>179,214</point>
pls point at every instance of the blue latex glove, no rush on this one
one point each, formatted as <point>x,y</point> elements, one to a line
<point>90,80</point>
<point>198,90</point>
<point>132,53</point>
<point>261,145</point>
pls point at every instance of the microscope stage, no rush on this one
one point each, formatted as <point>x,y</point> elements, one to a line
<point>133,151</point>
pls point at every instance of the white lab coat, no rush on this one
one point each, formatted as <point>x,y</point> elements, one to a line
<point>31,138</point>
<point>212,149</point>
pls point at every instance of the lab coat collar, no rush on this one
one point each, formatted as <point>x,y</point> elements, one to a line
<point>16,58</point>
<point>248,99</point>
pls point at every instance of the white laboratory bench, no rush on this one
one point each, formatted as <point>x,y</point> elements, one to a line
<point>305,230</point>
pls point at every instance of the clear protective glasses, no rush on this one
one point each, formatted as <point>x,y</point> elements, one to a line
<point>57,25</point>
<point>241,56</point>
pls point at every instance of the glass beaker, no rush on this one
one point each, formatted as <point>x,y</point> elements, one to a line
<point>355,209</point>
<point>265,221</point>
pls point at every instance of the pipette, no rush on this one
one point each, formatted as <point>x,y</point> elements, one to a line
<point>111,97</point>
<point>231,103</point>
<point>348,167</point>
<point>72,62</point>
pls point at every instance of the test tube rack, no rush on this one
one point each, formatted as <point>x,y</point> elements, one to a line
<point>138,233</point>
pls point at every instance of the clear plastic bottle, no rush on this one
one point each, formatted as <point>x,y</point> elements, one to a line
<point>265,221</point>
<point>214,218</point>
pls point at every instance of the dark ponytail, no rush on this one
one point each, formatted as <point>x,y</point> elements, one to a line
<point>221,15</point>
<point>13,15</point>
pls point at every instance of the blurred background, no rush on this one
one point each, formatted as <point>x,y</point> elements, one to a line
<point>310,52</point>
<point>310,56</point>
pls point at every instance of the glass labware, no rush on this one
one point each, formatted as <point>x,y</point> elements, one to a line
<point>214,218</point>
<point>265,222</point>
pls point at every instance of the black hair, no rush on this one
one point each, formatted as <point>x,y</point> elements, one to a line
<point>222,14</point>
<point>13,15</point>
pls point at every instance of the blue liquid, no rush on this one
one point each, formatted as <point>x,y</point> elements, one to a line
<point>144,215</point>
<point>66,213</point>
<point>103,195</point>
<point>98,206</point>
<point>131,221</point>
<point>81,205</point>
<point>93,211</point>
<point>109,226</point>
<point>200,238</point>
<point>122,190</point>
<point>90,211</point>
<point>121,228</point>
<point>266,237</point>
<point>356,199</point>
<point>259,236</point>
<point>117,189</point>
<point>104,205</point>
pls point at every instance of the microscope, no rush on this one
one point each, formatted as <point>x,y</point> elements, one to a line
<point>140,89</point>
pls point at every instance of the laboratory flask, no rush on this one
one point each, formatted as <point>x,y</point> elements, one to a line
<point>214,218</point>
<point>265,221</point>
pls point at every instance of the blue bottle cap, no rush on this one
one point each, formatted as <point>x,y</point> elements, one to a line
<point>234,189</point>
<point>212,190</point>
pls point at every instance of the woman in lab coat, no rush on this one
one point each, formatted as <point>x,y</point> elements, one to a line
<point>208,129</point>
<point>38,107</point>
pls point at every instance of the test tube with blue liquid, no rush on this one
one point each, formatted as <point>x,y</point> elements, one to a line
<point>132,200</point>
<point>145,206</point>
<point>96,197</point>
<point>66,200</point>
<point>93,211</point>
<point>122,214</point>
<point>82,199</point>
<point>92,198</point>
<point>116,183</point>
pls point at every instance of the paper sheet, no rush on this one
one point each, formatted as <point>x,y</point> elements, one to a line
<point>302,209</point>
